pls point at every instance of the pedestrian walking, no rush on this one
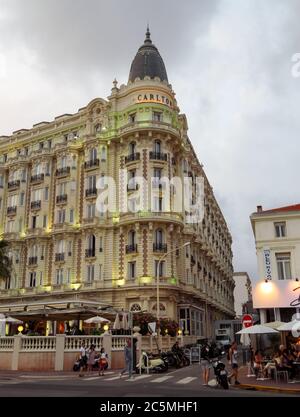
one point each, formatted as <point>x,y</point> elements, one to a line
<point>128,358</point>
<point>206,362</point>
<point>103,362</point>
<point>233,360</point>
<point>91,358</point>
<point>82,358</point>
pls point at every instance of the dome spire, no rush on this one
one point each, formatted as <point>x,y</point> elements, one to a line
<point>148,39</point>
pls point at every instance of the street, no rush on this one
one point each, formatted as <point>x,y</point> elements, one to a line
<point>183,382</point>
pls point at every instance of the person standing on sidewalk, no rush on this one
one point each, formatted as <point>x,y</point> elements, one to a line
<point>233,360</point>
<point>206,363</point>
<point>128,358</point>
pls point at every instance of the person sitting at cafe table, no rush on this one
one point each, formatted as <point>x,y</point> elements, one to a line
<point>257,364</point>
<point>271,364</point>
<point>286,363</point>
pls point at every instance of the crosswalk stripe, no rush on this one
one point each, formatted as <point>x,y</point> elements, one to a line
<point>92,378</point>
<point>186,380</point>
<point>139,377</point>
<point>112,378</point>
<point>162,379</point>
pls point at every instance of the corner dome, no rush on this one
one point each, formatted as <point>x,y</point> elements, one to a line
<point>148,62</point>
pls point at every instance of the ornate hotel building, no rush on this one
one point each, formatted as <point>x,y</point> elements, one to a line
<point>61,245</point>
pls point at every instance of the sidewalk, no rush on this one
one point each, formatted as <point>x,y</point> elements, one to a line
<point>252,383</point>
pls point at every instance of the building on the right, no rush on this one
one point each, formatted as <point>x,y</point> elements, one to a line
<point>276,294</point>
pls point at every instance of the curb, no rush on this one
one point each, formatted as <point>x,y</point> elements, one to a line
<point>268,388</point>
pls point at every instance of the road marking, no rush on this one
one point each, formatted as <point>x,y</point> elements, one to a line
<point>97,377</point>
<point>138,378</point>
<point>162,379</point>
<point>112,379</point>
<point>186,380</point>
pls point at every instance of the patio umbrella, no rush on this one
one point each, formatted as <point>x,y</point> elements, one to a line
<point>10,320</point>
<point>274,324</point>
<point>245,339</point>
<point>97,320</point>
<point>117,324</point>
<point>125,322</point>
<point>257,329</point>
<point>293,325</point>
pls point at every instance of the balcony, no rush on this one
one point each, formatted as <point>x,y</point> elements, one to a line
<point>62,172</point>
<point>132,187</point>
<point>37,178</point>
<point>132,157</point>
<point>61,199</point>
<point>59,257</point>
<point>12,185</point>
<point>160,247</point>
<point>35,205</point>
<point>158,156</point>
<point>90,253</point>
<point>91,192</point>
<point>12,210</point>
<point>32,260</point>
<point>92,163</point>
<point>131,248</point>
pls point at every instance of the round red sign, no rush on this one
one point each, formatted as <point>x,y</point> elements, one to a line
<point>247,320</point>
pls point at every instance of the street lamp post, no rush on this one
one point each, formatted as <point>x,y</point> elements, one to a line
<point>157,281</point>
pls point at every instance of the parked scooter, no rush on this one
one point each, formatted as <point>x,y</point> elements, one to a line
<point>180,356</point>
<point>221,375</point>
<point>151,364</point>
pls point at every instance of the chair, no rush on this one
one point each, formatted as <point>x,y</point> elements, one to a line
<point>279,373</point>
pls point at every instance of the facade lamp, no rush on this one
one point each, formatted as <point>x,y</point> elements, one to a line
<point>179,332</point>
<point>20,329</point>
<point>105,327</point>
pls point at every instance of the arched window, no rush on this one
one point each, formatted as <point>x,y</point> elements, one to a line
<point>161,307</point>
<point>157,146</point>
<point>103,154</point>
<point>132,148</point>
<point>93,154</point>
<point>98,128</point>
<point>135,307</point>
<point>131,238</point>
<point>159,237</point>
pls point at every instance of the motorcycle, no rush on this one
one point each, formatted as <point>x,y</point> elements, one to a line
<point>169,357</point>
<point>151,364</point>
<point>181,358</point>
<point>221,375</point>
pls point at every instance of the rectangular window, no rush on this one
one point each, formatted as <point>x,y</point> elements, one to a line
<point>63,162</point>
<point>61,216</point>
<point>34,222</point>
<point>100,272</point>
<point>59,276</point>
<point>158,204</point>
<point>45,222</point>
<point>62,188</point>
<point>10,226</point>
<point>70,248</point>
<point>101,244</point>
<point>159,268</point>
<point>42,252</point>
<point>68,276</point>
<point>92,181</point>
<point>47,170</point>
<point>22,198</point>
<point>157,116</point>
<point>32,279</point>
<point>23,175</point>
<point>0,203</point>
<point>284,265</point>
<point>90,273</point>
<point>131,270</point>
<point>41,278</point>
<point>1,181</point>
<point>280,229</point>
<point>132,117</point>
<point>71,215</point>
<point>131,205</point>
<point>20,225</point>
<point>91,211</point>
<point>41,145</point>
<point>49,143</point>
<point>46,194</point>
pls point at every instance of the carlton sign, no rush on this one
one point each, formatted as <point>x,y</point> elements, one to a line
<point>154,98</point>
<point>276,294</point>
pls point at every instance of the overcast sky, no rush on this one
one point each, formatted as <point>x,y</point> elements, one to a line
<point>229,63</point>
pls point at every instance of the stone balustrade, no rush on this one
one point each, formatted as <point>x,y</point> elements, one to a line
<point>38,343</point>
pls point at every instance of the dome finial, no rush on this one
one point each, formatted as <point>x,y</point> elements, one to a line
<point>148,39</point>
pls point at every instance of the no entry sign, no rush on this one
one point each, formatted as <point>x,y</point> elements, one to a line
<point>247,320</point>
